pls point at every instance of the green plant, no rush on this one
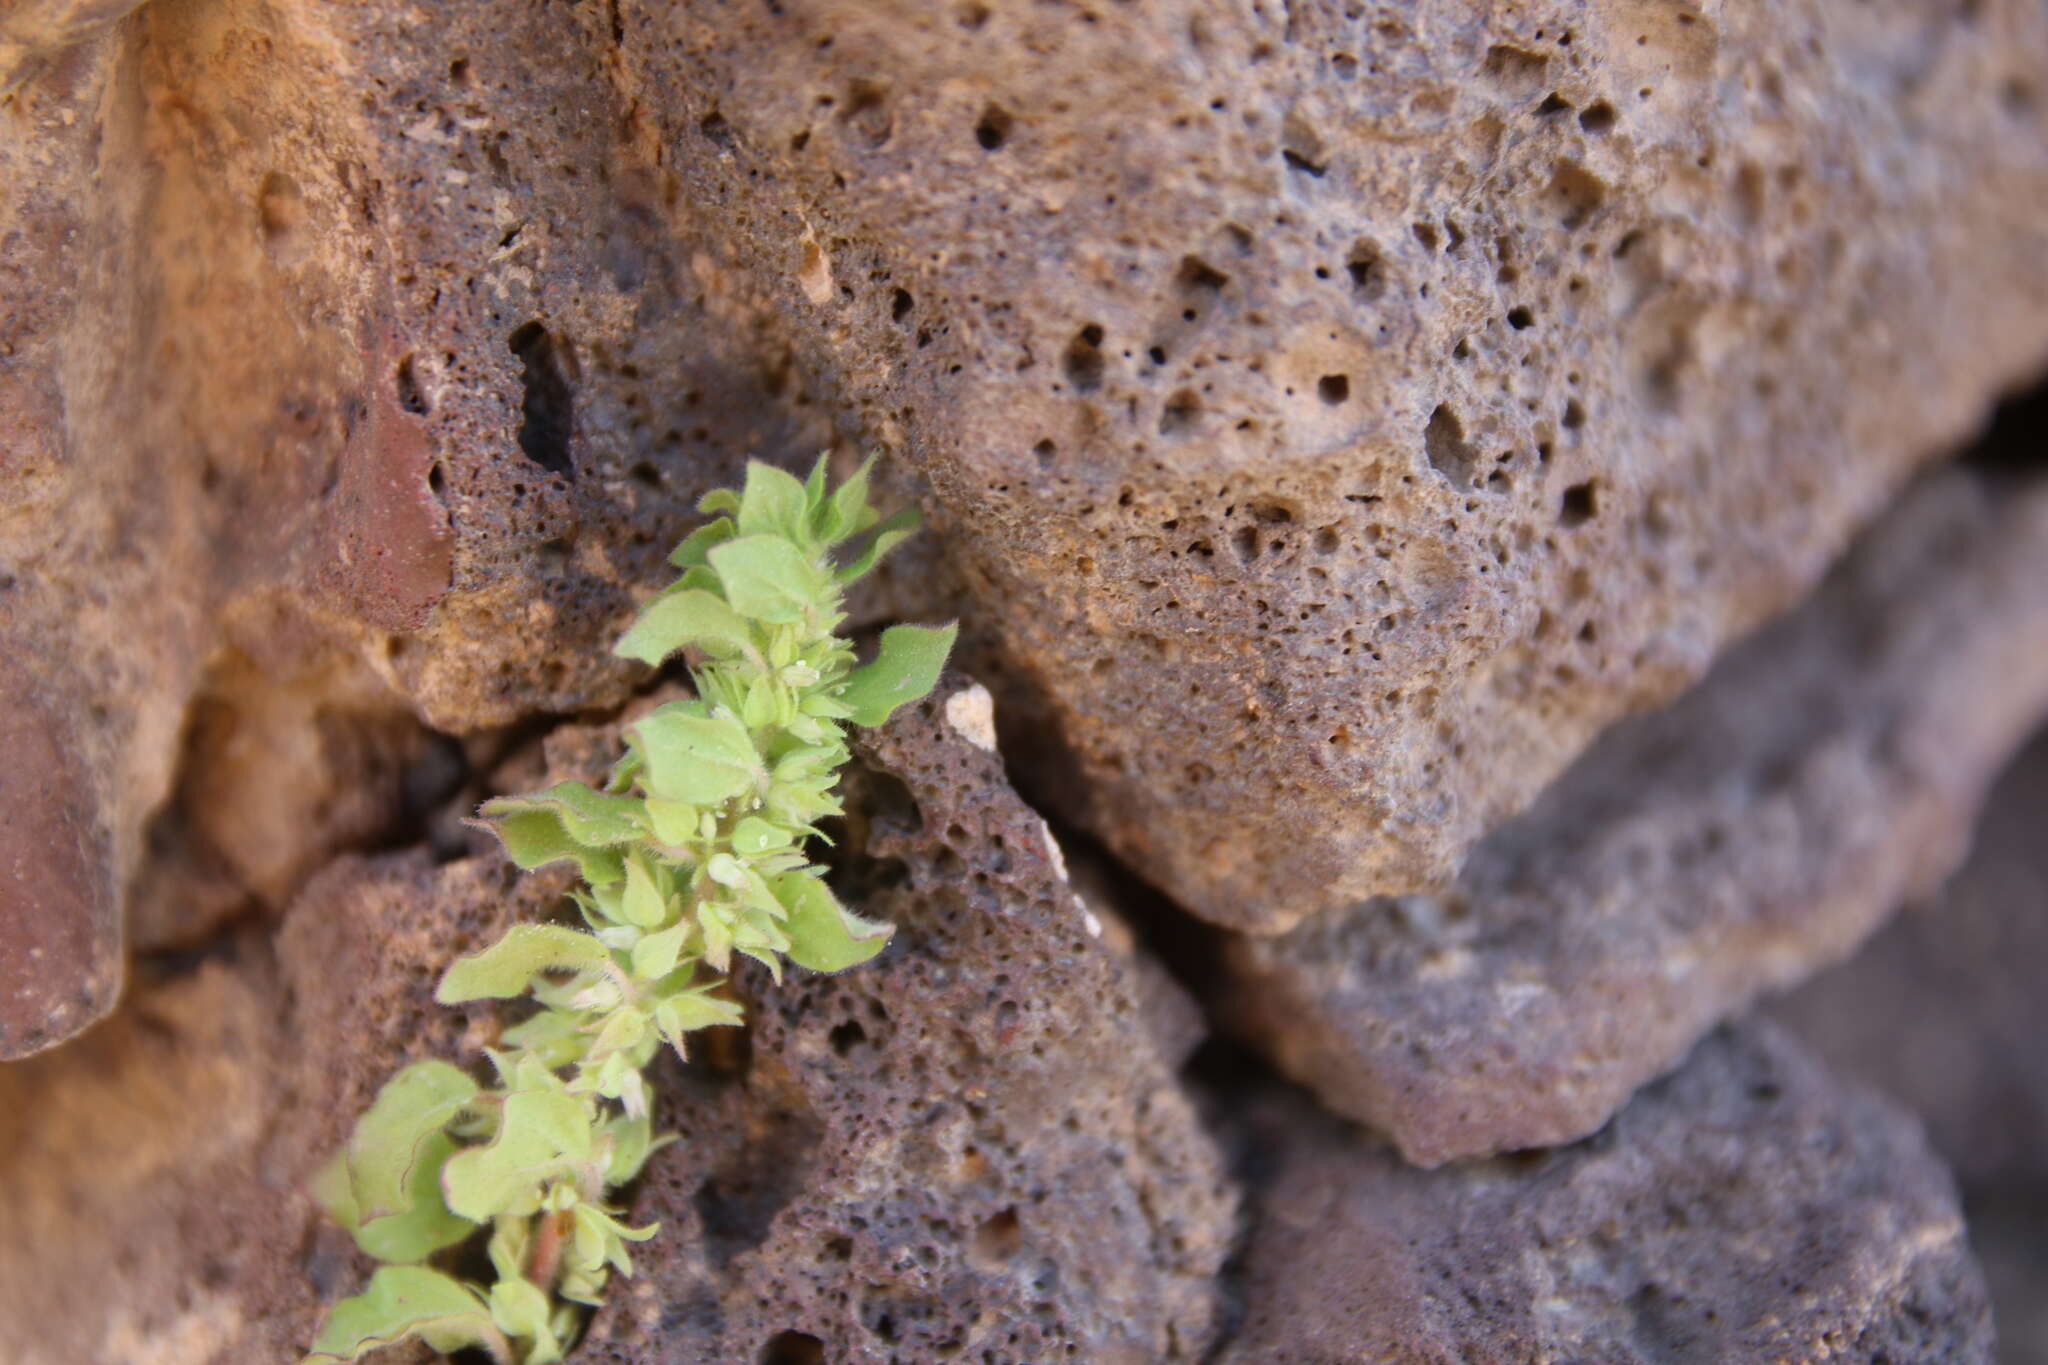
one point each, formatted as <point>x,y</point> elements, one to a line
<point>692,853</point>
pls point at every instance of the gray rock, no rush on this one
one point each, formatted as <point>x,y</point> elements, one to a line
<point>972,1147</point>
<point>1944,1010</point>
<point>1750,834</point>
<point>1747,1208</point>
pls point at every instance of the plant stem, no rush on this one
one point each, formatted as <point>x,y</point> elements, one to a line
<point>544,1254</point>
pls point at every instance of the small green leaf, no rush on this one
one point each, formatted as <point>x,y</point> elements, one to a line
<point>905,668</point>
<point>404,1301</point>
<point>773,503</point>
<point>848,513</point>
<point>687,1011</point>
<point>534,835</point>
<point>655,955</point>
<point>754,835</point>
<point>692,617</point>
<point>887,537</point>
<point>633,1142</point>
<point>643,903</point>
<point>427,1226</point>
<point>675,822</point>
<point>417,1102</point>
<point>521,1310</point>
<point>695,758</point>
<point>823,935</point>
<point>505,969</point>
<point>769,579</point>
<point>543,1134</point>
<point>596,819</point>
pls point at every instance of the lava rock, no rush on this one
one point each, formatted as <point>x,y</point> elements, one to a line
<point>1340,413</point>
<point>1944,1011</point>
<point>972,1146</point>
<point>1752,833</point>
<point>1748,1207</point>
<point>975,1142</point>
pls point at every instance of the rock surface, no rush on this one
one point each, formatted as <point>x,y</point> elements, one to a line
<point>1342,412</point>
<point>1944,1010</point>
<point>973,1144</point>
<point>1747,1208</point>
<point>1381,402</point>
<point>1753,832</point>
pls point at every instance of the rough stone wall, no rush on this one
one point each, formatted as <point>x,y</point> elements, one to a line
<point>1329,421</point>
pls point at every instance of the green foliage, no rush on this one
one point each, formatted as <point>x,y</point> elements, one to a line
<point>693,853</point>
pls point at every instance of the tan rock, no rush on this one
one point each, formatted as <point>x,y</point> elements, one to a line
<point>1342,413</point>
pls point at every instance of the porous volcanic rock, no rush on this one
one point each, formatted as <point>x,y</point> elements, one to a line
<point>972,1147</point>
<point>972,1143</point>
<point>1747,1208</point>
<point>1753,832</point>
<point>314,321</point>
<point>1341,412</point>
<point>1375,400</point>
<point>1944,1010</point>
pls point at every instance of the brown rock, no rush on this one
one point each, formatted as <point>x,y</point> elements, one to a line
<point>1753,832</point>
<point>1944,1010</point>
<point>1342,413</point>
<point>973,1140</point>
<point>1746,1208</point>
<point>972,1146</point>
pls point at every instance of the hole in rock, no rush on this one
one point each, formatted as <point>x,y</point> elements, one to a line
<point>998,1239</point>
<point>1579,506</point>
<point>1443,440</point>
<point>793,1348</point>
<point>1083,359</point>
<point>549,403</point>
<point>994,128</point>
<point>409,396</point>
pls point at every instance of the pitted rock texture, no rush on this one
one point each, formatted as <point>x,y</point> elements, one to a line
<point>1748,1208</point>
<point>1753,832</point>
<point>970,1149</point>
<point>1342,412</point>
<point>155,1169</point>
<point>971,1146</point>
<point>306,334</point>
<point>1377,401</point>
<point>1944,1010</point>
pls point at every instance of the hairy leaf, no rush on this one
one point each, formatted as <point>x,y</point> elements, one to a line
<point>521,1310</point>
<point>687,1011</point>
<point>905,667</point>
<point>773,503</point>
<point>691,554</point>
<point>507,967</point>
<point>692,617</point>
<point>823,935</point>
<point>696,758</point>
<point>768,578</point>
<point>544,1134</point>
<point>534,836</point>
<point>888,535</point>
<point>405,1301</point>
<point>413,1105</point>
